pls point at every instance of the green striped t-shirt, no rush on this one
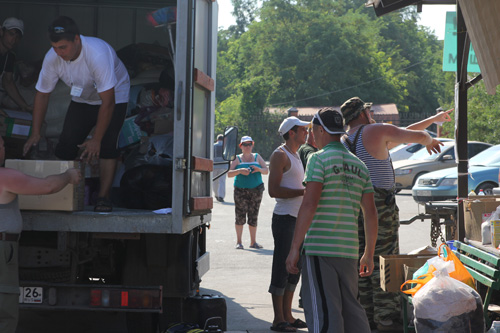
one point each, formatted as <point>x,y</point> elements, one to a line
<point>334,229</point>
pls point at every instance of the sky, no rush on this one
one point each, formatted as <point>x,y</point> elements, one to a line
<point>432,16</point>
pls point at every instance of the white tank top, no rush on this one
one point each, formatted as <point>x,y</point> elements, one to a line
<point>292,178</point>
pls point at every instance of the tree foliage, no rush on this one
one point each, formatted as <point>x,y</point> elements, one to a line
<point>322,52</point>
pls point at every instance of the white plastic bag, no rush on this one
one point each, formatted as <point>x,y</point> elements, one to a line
<point>447,305</point>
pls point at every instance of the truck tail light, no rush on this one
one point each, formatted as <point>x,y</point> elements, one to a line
<point>126,299</point>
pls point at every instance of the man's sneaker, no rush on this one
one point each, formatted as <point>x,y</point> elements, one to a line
<point>220,199</point>
<point>239,246</point>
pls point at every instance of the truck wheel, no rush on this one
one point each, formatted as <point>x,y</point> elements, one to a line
<point>142,322</point>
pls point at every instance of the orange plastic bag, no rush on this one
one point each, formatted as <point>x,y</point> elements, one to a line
<point>460,273</point>
<point>420,281</point>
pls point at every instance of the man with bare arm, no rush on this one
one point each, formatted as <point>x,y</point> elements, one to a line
<point>12,183</point>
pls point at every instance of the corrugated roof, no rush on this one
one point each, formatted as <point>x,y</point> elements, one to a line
<point>481,19</point>
<point>379,109</point>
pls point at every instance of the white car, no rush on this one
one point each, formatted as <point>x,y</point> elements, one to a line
<point>405,150</point>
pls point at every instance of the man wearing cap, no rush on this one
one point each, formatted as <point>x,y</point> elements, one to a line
<point>10,34</point>
<point>371,142</point>
<point>337,186</point>
<point>285,185</point>
<point>100,91</point>
<point>12,183</point>
<point>219,185</point>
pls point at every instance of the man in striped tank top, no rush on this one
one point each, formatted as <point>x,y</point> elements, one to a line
<point>285,185</point>
<point>371,142</point>
<point>337,186</point>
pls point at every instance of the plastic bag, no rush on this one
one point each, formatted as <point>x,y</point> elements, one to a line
<point>460,273</point>
<point>420,277</point>
<point>445,304</point>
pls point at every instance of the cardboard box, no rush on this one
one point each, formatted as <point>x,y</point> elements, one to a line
<point>392,272</point>
<point>475,209</point>
<point>495,233</point>
<point>15,124</point>
<point>70,198</point>
<point>130,133</point>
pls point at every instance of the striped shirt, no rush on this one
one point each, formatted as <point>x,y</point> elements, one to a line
<point>381,171</point>
<point>334,229</point>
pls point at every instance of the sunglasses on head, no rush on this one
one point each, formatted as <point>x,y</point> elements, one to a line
<point>57,30</point>
<point>246,144</point>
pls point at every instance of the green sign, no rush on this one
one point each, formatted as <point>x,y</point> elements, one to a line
<point>450,47</point>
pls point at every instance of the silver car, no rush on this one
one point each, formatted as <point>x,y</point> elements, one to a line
<point>408,171</point>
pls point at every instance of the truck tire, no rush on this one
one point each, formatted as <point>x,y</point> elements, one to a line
<point>142,322</point>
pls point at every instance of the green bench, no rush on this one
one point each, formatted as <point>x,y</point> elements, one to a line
<point>484,268</point>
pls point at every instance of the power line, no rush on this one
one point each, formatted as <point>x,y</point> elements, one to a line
<point>343,89</point>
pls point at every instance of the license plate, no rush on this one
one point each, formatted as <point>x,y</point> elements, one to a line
<point>31,295</point>
<point>423,193</point>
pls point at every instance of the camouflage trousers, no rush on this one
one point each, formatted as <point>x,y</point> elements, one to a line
<point>378,304</point>
<point>246,205</point>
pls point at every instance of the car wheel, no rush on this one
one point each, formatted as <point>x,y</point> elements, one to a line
<point>486,187</point>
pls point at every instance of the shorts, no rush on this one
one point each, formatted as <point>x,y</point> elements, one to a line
<point>79,121</point>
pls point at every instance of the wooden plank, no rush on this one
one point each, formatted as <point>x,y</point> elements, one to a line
<point>201,203</point>
<point>203,80</point>
<point>494,260</point>
<point>202,164</point>
<point>483,279</point>
<point>479,266</point>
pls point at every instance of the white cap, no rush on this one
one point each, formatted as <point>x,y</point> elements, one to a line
<point>246,138</point>
<point>289,123</point>
<point>13,23</point>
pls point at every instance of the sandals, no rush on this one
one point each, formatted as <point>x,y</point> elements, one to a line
<point>239,246</point>
<point>284,326</point>
<point>298,323</point>
<point>256,246</point>
<point>103,205</point>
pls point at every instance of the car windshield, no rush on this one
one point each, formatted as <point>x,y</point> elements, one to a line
<point>488,157</point>
<point>423,154</point>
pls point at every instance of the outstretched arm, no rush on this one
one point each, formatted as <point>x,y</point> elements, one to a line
<point>39,111</point>
<point>15,182</point>
<point>441,117</point>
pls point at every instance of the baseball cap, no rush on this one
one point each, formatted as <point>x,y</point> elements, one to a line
<point>352,108</point>
<point>330,119</point>
<point>246,138</point>
<point>13,23</point>
<point>289,123</point>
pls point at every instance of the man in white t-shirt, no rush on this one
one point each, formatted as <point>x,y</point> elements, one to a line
<point>100,88</point>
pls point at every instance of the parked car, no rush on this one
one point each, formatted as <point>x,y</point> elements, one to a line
<point>421,162</point>
<point>405,150</point>
<point>484,173</point>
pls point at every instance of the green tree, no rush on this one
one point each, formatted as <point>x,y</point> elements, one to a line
<point>322,52</point>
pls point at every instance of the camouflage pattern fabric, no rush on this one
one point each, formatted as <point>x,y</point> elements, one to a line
<point>378,304</point>
<point>247,204</point>
<point>352,108</point>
